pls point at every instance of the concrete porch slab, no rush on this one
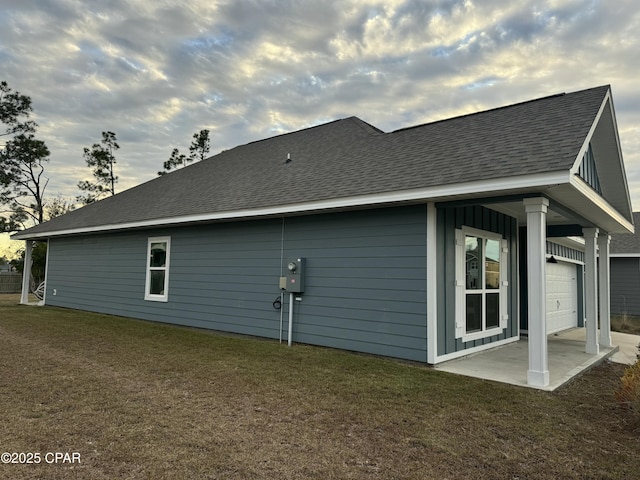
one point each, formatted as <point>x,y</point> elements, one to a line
<point>509,364</point>
<point>628,352</point>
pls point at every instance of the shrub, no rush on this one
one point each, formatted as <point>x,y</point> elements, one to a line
<point>628,394</point>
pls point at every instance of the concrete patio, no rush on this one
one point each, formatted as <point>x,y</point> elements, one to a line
<point>566,359</point>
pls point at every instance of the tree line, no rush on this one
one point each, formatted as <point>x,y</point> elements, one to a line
<point>23,159</point>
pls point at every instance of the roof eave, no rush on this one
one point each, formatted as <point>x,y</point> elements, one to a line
<point>598,210</point>
<point>477,189</point>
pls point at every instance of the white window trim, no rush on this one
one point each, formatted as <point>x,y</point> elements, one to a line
<point>460,283</point>
<point>152,297</point>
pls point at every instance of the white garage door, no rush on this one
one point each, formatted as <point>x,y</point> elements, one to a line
<point>562,296</point>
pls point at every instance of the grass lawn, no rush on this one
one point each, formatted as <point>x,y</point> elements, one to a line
<point>143,400</point>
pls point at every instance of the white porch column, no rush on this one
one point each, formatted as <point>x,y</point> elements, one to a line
<point>26,272</point>
<point>536,208</point>
<point>603,292</point>
<point>591,290</point>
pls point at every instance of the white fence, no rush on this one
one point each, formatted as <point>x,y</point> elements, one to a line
<point>10,282</point>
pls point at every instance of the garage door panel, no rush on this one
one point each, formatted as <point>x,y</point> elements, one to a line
<point>562,296</point>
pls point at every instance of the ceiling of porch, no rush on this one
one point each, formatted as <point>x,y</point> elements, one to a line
<point>567,206</point>
<point>555,216</point>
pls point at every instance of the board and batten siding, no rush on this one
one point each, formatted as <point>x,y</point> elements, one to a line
<point>448,220</point>
<point>365,278</point>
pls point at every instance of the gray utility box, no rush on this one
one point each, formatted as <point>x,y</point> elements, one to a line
<point>294,280</point>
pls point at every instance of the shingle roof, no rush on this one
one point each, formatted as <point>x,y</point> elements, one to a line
<point>627,242</point>
<point>349,157</point>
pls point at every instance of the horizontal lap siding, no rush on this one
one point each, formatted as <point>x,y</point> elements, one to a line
<point>365,278</point>
<point>221,277</point>
<point>625,286</point>
<point>93,273</point>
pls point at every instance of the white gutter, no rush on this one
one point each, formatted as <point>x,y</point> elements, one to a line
<point>481,187</point>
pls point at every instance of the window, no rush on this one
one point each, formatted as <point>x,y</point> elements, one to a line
<point>481,293</point>
<point>157,281</point>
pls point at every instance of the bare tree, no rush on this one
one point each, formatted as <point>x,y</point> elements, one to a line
<point>58,206</point>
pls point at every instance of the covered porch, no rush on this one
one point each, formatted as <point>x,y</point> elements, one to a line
<point>541,360</point>
<point>584,202</point>
<point>566,359</point>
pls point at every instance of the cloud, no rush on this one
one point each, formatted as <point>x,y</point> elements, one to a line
<point>155,72</point>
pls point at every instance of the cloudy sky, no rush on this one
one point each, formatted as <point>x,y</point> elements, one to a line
<point>157,71</point>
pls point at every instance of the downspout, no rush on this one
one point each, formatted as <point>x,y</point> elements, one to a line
<point>281,274</point>
<point>290,336</point>
<point>281,314</point>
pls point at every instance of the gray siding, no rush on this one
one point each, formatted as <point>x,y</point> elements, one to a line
<point>365,278</point>
<point>625,285</point>
<point>219,278</point>
<point>449,219</point>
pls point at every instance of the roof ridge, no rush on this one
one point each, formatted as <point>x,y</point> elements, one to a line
<point>295,131</point>
<point>503,107</point>
<point>365,126</point>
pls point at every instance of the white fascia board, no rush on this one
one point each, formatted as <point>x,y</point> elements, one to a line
<point>600,203</point>
<point>578,240</point>
<point>482,187</point>
<point>578,161</point>
<point>609,100</point>
<point>624,255</point>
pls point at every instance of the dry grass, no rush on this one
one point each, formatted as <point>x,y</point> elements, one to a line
<point>152,401</point>
<point>626,324</point>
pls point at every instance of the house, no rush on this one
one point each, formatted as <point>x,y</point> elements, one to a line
<point>427,243</point>
<point>625,272</point>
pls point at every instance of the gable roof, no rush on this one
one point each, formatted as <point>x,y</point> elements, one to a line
<point>348,163</point>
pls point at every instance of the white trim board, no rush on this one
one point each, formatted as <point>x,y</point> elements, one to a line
<point>472,350</point>
<point>564,259</point>
<point>432,284</point>
<point>583,187</point>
